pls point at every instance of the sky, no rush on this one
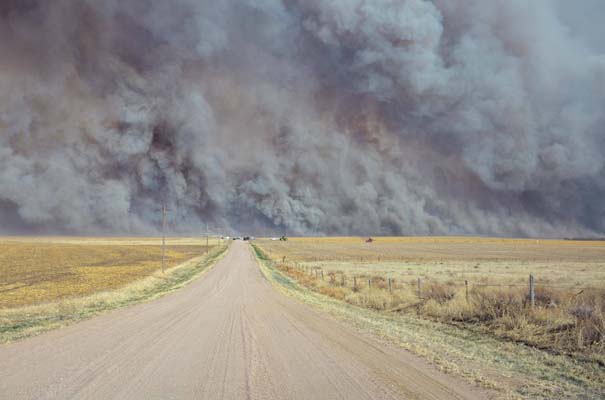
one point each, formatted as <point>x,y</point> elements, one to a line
<point>350,117</point>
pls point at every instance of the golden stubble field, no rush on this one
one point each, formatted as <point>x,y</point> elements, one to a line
<point>36,270</point>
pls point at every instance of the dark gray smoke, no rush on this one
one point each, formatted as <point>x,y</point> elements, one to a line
<point>348,116</point>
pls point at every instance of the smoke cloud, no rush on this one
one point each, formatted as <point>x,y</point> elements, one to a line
<point>315,117</point>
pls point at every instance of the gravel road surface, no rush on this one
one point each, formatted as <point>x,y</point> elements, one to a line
<point>227,335</point>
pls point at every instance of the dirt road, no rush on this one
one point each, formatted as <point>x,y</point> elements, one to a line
<point>228,335</point>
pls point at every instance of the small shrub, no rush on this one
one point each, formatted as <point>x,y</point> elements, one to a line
<point>379,282</point>
<point>589,313</point>
<point>338,293</point>
<point>582,311</point>
<point>547,297</point>
<point>439,292</point>
<point>374,299</point>
<point>493,303</point>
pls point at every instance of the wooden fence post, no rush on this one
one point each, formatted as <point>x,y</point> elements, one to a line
<point>369,283</point>
<point>354,282</point>
<point>283,260</point>
<point>322,274</point>
<point>342,280</point>
<point>390,286</point>
<point>532,293</point>
<point>466,287</point>
<point>419,287</point>
<point>316,274</point>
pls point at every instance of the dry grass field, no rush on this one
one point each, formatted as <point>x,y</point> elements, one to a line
<point>569,312</point>
<point>492,336</point>
<point>36,270</point>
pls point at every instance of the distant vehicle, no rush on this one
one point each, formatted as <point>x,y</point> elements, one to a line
<point>237,238</point>
<point>246,237</point>
<point>225,237</point>
<point>283,239</point>
<point>274,238</point>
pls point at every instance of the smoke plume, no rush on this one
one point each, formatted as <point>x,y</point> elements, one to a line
<point>315,117</point>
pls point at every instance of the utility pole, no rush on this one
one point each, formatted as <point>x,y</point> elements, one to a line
<point>163,237</point>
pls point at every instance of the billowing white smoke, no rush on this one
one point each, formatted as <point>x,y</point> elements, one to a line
<point>349,116</point>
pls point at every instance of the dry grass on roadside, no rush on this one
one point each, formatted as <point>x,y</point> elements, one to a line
<point>567,318</point>
<point>571,324</point>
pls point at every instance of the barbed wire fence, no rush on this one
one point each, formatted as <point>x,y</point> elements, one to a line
<point>362,281</point>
